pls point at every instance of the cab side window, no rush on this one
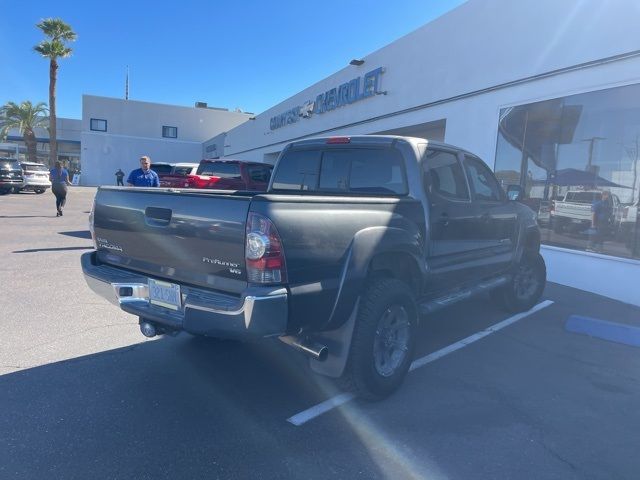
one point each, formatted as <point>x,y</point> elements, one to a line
<point>484,184</point>
<point>443,176</point>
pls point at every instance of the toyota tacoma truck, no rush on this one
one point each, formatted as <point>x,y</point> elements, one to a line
<point>355,239</point>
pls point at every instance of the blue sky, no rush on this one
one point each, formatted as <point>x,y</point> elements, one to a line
<point>246,54</point>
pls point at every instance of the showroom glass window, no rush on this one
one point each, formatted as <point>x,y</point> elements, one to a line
<point>565,152</point>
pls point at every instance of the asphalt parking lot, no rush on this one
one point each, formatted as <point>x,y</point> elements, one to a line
<point>84,395</point>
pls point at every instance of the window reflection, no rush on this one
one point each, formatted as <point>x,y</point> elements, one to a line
<point>566,153</point>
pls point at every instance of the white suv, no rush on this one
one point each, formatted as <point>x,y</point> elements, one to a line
<point>35,177</point>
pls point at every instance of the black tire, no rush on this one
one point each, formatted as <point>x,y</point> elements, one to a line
<point>39,190</point>
<point>526,286</point>
<point>386,323</point>
<point>4,191</point>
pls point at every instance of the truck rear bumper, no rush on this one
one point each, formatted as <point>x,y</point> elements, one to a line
<point>259,312</point>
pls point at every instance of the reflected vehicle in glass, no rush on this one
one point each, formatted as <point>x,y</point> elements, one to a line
<point>574,211</point>
<point>564,152</point>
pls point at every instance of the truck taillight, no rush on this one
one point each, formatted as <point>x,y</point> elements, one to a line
<point>91,226</point>
<point>263,251</point>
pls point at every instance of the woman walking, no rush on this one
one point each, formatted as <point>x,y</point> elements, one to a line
<point>59,180</point>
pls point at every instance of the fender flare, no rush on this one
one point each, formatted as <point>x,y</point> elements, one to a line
<point>364,247</point>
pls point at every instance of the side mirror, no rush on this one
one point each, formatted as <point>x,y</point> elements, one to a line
<point>515,193</point>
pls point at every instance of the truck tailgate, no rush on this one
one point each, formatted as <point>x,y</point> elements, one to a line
<point>189,237</point>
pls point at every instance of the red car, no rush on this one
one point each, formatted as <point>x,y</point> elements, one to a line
<point>222,174</point>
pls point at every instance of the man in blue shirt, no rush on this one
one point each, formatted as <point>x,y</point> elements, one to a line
<point>144,176</point>
<point>601,212</point>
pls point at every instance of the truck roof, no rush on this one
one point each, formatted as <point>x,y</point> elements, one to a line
<point>374,140</point>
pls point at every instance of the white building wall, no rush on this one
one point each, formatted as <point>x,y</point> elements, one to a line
<point>135,128</point>
<point>481,44</point>
<point>455,68</point>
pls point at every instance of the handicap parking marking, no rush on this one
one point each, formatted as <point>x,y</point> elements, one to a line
<point>338,400</point>
<point>604,329</point>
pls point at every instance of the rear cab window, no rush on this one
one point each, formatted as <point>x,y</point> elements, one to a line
<point>34,167</point>
<point>162,168</point>
<point>259,173</point>
<point>220,169</point>
<point>373,171</point>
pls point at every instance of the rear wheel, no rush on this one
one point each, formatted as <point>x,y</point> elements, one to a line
<point>383,340</point>
<point>526,285</point>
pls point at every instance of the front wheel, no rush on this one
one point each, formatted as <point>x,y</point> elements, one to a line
<point>526,285</point>
<point>40,190</point>
<point>383,340</point>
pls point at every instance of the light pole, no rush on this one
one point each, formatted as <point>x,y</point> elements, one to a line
<point>592,141</point>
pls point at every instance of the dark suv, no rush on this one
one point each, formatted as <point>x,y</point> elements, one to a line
<point>10,175</point>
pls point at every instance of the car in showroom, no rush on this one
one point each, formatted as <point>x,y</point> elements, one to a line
<point>10,175</point>
<point>35,177</point>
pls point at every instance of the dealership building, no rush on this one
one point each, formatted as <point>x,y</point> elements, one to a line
<point>547,92</point>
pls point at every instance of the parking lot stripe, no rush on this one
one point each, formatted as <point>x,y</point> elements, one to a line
<point>421,362</point>
<point>317,410</point>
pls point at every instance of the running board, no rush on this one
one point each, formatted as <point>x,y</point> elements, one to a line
<point>431,306</point>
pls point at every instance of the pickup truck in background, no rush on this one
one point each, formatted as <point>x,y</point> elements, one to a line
<point>354,239</point>
<point>181,175</point>
<point>234,175</point>
<point>627,222</point>
<point>573,212</point>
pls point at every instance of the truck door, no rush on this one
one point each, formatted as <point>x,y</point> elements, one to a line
<point>497,219</point>
<point>454,240</point>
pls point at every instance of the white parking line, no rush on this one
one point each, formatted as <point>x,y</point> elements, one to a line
<point>317,410</point>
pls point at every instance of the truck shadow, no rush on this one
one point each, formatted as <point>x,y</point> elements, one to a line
<point>189,407</point>
<point>172,408</point>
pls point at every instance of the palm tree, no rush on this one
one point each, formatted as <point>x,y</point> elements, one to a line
<point>25,117</point>
<point>59,33</point>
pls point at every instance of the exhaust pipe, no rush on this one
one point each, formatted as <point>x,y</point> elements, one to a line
<point>312,349</point>
<point>148,329</point>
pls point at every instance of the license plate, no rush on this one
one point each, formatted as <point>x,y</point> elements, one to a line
<point>164,294</point>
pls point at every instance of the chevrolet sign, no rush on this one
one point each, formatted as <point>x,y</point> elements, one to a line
<point>350,92</point>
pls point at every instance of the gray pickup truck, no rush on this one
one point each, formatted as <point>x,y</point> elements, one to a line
<point>355,239</point>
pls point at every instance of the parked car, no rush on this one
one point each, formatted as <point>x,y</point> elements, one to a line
<point>182,175</point>
<point>162,169</point>
<point>233,175</point>
<point>35,177</point>
<point>10,175</point>
<point>574,210</point>
<point>354,238</point>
